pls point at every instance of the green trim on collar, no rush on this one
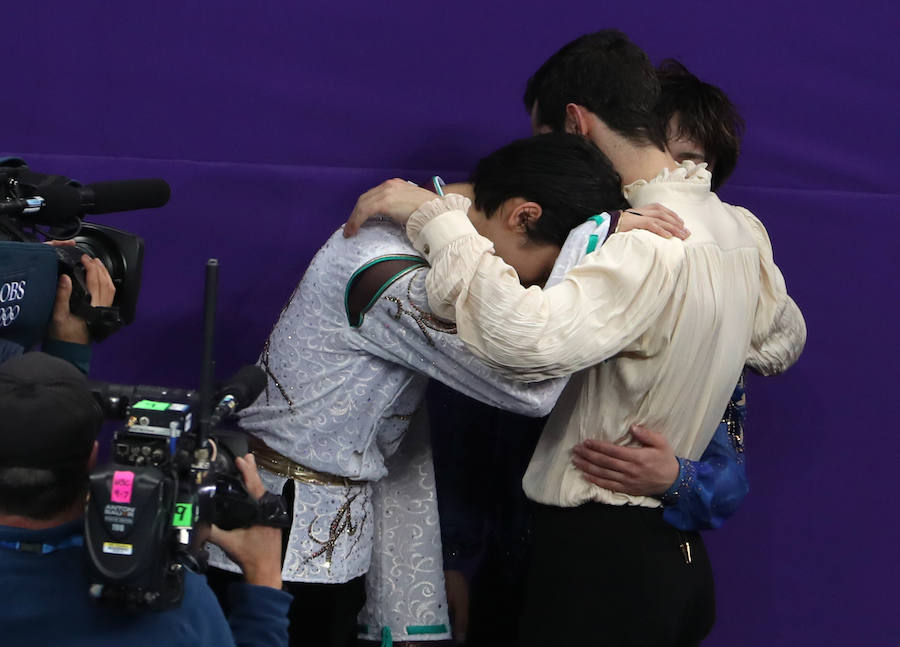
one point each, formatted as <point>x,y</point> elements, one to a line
<point>593,239</point>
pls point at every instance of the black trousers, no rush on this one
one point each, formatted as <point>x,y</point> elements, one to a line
<point>614,576</point>
<point>497,594</point>
<point>321,615</point>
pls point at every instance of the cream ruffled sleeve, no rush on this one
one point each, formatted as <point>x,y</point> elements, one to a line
<point>779,330</point>
<point>601,306</point>
<point>441,229</point>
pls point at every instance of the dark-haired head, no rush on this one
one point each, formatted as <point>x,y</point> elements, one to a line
<point>48,427</point>
<point>43,493</point>
<point>701,122</point>
<point>608,75</point>
<point>531,193</point>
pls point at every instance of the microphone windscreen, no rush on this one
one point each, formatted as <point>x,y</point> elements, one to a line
<point>127,195</point>
<point>62,204</point>
<point>245,385</point>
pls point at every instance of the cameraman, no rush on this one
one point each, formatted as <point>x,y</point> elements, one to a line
<point>65,335</point>
<point>48,425</point>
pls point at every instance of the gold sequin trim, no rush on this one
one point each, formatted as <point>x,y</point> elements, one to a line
<point>275,463</point>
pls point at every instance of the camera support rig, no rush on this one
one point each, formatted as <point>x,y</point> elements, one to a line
<point>168,479</point>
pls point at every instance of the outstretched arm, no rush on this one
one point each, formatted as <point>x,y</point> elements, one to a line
<point>388,308</point>
<point>696,495</point>
<point>388,312</point>
<point>527,332</point>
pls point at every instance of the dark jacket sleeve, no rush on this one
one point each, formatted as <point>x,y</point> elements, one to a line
<point>709,491</point>
<point>259,615</point>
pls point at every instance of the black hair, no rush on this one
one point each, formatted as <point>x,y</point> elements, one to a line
<point>567,175</point>
<point>42,493</point>
<point>607,74</point>
<point>705,115</point>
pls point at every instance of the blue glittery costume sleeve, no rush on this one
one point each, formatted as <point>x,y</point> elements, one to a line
<point>709,491</point>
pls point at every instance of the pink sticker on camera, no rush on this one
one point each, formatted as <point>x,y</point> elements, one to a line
<point>122,485</point>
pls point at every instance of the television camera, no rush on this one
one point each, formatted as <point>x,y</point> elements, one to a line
<point>35,207</point>
<point>172,472</point>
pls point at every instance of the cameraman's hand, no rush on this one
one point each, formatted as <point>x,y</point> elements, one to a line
<point>65,326</point>
<point>257,549</point>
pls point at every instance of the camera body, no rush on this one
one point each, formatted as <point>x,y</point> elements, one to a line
<point>147,508</point>
<point>23,219</point>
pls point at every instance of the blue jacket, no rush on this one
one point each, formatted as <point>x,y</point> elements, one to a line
<point>46,602</point>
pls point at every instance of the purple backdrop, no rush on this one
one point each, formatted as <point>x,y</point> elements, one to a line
<point>268,119</point>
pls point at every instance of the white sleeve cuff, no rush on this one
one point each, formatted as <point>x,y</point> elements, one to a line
<point>438,223</point>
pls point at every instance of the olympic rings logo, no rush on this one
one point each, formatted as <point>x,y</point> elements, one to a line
<point>8,314</point>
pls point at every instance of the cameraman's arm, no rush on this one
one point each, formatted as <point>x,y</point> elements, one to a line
<point>67,336</point>
<point>259,608</point>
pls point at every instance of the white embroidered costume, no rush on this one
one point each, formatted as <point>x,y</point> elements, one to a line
<point>339,400</point>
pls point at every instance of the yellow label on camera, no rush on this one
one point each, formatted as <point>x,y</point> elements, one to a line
<point>117,549</point>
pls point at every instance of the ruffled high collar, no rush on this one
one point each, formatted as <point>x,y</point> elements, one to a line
<point>688,176</point>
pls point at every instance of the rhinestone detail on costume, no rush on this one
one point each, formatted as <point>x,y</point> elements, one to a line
<point>424,319</point>
<point>341,523</point>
